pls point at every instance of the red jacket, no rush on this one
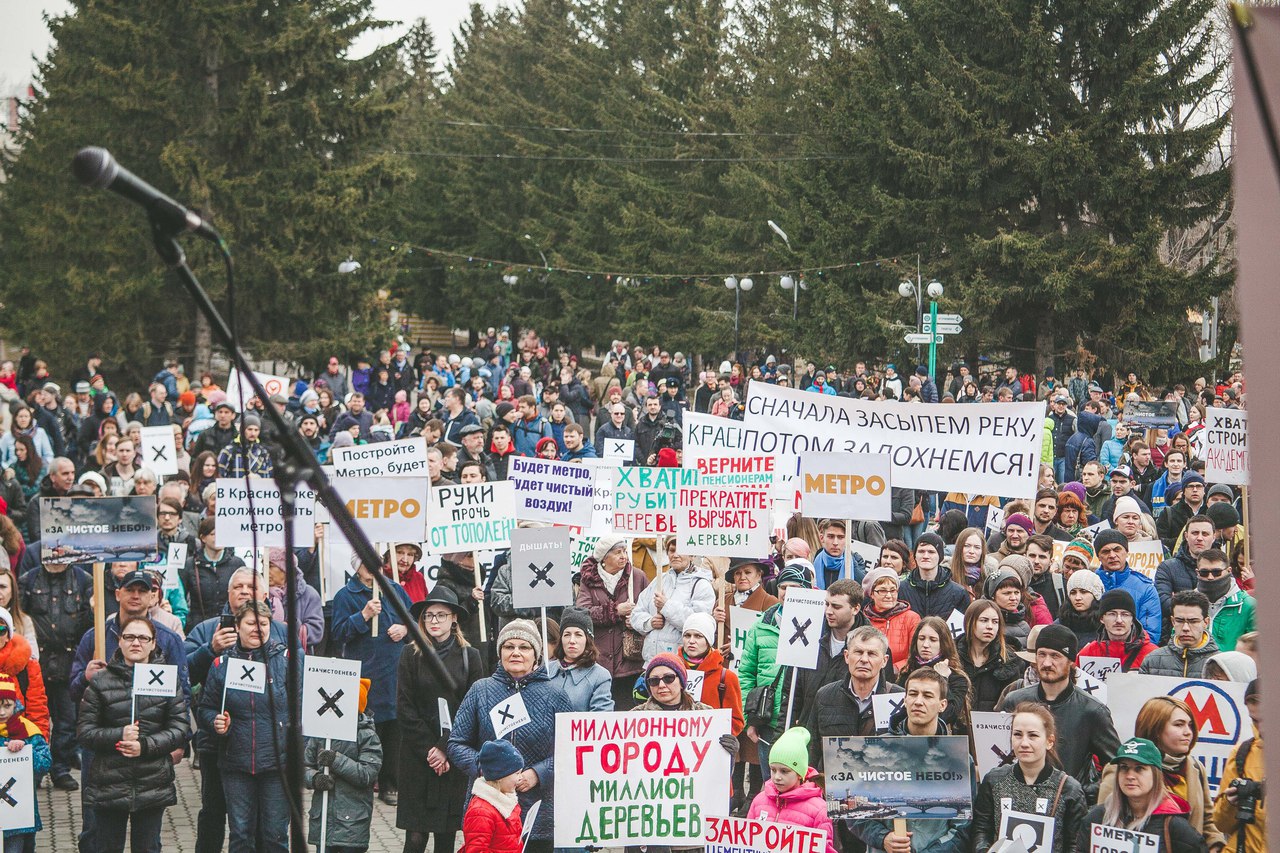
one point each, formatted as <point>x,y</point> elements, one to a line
<point>484,828</point>
<point>1115,649</point>
<point>16,661</point>
<point>415,585</point>
<point>715,670</point>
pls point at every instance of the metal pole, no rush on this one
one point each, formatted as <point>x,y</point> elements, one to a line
<point>933,337</point>
<point>795,300</point>
<point>737,310</point>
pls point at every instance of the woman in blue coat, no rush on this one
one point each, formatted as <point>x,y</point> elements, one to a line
<point>354,610</point>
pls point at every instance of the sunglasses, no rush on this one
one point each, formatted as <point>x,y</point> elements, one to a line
<point>1210,574</point>
<point>654,681</point>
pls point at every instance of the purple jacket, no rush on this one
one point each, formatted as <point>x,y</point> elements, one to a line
<point>603,608</point>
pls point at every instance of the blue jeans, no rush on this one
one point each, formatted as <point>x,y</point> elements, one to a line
<point>146,830</point>
<point>762,749</point>
<point>1060,470</point>
<point>62,721</point>
<point>256,809</point>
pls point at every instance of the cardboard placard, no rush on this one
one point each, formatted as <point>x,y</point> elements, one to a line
<point>474,517</point>
<point>237,527</point>
<point>550,491</point>
<point>98,530</point>
<point>17,781</point>
<point>540,573</point>
<point>743,835</point>
<point>406,457</point>
<point>157,451</point>
<point>388,509</point>
<point>800,627</point>
<point>155,679</point>
<point>1226,446</point>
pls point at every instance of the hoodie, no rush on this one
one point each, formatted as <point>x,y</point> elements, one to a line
<point>1145,598</point>
<point>1081,447</point>
<point>803,805</point>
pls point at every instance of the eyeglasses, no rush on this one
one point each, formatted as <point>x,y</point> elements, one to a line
<point>655,680</point>
<point>167,512</point>
<point>1210,574</point>
<point>140,639</point>
<point>439,617</point>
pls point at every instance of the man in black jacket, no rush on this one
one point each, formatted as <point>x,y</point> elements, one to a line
<point>59,600</point>
<point>843,613</point>
<point>844,708</point>
<point>1092,733</point>
<point>218,436</point>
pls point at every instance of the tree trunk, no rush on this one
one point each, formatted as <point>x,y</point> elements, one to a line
<point>1044,344</point>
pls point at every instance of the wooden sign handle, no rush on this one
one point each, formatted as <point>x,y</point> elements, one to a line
<point>99,612</point>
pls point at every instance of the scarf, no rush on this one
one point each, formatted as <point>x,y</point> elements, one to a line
<point>1218,589</point>
<point>825,564</point>
<point>740,597</point>
<point>873,613</point>
<point>610,581</point>
<point>972,574</point>
<point>918,662</point>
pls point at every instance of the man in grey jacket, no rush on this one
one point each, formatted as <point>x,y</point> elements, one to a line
<point>1190,645</point>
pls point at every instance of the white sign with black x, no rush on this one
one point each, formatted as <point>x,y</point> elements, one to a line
<point>956,623</point>
<point>884,706</point>
<point>247,675</point>
<point>17,789</point>
<point>508,715</point>
<point>620,448</point>
<point>800,627</point>
<point>1092,685</point>
<point>155,679</point>
<point>331,698</point>
<point>157,450</point>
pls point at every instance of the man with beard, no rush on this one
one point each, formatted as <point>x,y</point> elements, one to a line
<point>1088,720</point>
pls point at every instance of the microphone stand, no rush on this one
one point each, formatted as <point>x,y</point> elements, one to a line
<point>299,465</point>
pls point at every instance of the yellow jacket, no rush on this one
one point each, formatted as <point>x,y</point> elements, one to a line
<point>1224,812</point>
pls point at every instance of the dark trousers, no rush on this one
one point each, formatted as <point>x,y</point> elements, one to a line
<point>211,823</point>
<point>257,812</point>
<point>62,719</point>
<point>389,734</point>
<point>88,839</point>
<point>146,830</point>
<point>622,690</point>
<point>416,842</point>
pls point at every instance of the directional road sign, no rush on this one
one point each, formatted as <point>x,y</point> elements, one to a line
<point>920,337</point>
<point>948,329</point>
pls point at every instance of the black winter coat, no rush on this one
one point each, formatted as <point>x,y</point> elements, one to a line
<point>835,713</point>
<point>431,803</point>
<point>1063,794</point>
<point>990,679</point>
<point>115,782</point>
<point>206,583</point>
<point>938,597</point>
<point>1182,838</point>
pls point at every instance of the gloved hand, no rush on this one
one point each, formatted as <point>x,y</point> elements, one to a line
<point>730,744</point>
<point>325,758</point>
<point>322,782</point>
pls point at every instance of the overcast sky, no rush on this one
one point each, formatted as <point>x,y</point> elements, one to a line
<point>24,32</point>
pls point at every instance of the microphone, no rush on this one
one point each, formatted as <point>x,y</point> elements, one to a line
<point>95,167</point>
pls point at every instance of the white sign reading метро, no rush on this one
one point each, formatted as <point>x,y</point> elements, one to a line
<point>389,508</point>
<point>1226,446</point>
<point>966,447</point>
<point>239,525</point>
<point>404,458</point>
<point>846,485</point>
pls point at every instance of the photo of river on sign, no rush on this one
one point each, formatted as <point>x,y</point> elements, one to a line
<point>881,778</point>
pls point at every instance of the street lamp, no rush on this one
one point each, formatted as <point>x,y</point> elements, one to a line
<point>934,290</point>
<point>737,287</point>
<point>789,283</point>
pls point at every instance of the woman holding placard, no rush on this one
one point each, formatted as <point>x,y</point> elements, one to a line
<point>1142,802</point>
<point>432,791</point>
<point>990,664</point>
<point>1169,724</point>
<point>244,707</point>
<point>1035,786</point>
<point>131,779</point>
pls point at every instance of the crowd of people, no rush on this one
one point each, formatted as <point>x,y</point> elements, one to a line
<point>1040,583</point>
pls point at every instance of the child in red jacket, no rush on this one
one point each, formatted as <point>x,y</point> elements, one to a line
<point>492,821</point>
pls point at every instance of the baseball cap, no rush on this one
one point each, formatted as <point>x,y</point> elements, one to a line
<point>137,576</point>
<point>1139,750</point>
<point>1122,471</point>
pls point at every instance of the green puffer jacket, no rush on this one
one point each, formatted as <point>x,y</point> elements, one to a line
<point>760,661</point>
<point>1236,617</point>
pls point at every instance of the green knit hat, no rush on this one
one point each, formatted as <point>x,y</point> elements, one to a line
<point>792,750</point>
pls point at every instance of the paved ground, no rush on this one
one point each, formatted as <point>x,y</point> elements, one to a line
<point>61,814</point>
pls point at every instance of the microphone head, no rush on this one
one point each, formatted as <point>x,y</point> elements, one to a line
<point>94,167</point>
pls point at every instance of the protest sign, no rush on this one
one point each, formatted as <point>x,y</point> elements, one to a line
<point>247,675</point>
<point>870,553</point>
<point>17,782</point>
<point>1113,839</point>
<point>723,521</point>
<point>1033,831</point>
<point>884,706</point>
<point>508,715</point>
<point>845,485</point>
<point>98,530</point>
<point>157,451</point>
<point>741,621</point>
<point>1146,556</point>
<point>800,627</point>
<point>237,527</point>
<point>330,698</point>
<point>406,457</point>
<point>966,447</point>
<point>169,564</point>
<point>155,679</point>
<point>619,448</point>
<point>1151,414</point>
<point>1093,686</point>
<point>388,509</point>
<point>239,388</point>
<point>694,684</point>
<point>1221,719</point>
<point>1099,667</point>
<point>644,499</point>
<point>992,747</point>
<point>555,492</point>
<point>955,624</point>
<point>639,779</point>
<point>735,470</point>
<point>474,517</point>
<point>602,502</point>
<point>743,835</point>
<point>881,778</point>
<point>540,567</point>
<point>581,547</point>
<point>995,520</point>
<point>1226,446</point>
<point>708,437</point>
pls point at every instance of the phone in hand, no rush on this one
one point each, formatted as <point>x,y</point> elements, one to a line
<point>227,620</point>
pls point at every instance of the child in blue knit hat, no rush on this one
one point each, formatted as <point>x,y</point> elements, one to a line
<point>492,821</point>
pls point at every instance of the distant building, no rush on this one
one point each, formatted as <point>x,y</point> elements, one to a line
<point>9,119</point>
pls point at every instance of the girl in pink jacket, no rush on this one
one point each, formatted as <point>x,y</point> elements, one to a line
<point>789,794</point>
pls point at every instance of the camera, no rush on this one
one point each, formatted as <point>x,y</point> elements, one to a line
<point>1248,794</point>
<point>667,434</point>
